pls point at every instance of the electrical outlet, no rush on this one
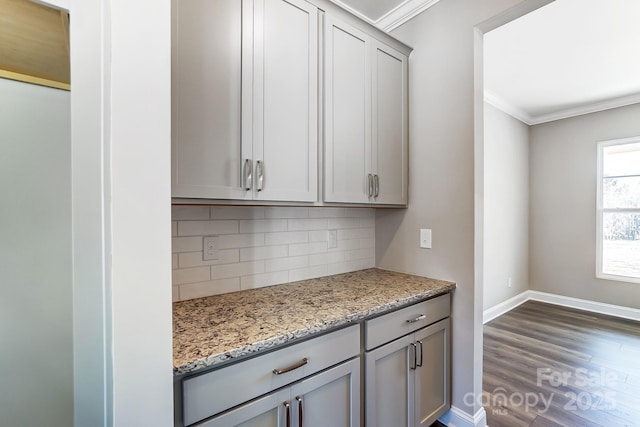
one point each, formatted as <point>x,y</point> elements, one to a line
<point>509,281</point>
<point>210,248</point>
<point>333,239</point>
<point>425,238</point>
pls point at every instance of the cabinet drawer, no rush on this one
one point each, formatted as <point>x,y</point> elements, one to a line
<point>399,323</point>
<point>211,393</point>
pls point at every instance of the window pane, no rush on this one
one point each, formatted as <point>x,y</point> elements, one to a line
<point>621,244</point>
<point>621,160</point>
<point>621,192</point>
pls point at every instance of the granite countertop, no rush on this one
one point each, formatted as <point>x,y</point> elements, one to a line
<point>211,330</point>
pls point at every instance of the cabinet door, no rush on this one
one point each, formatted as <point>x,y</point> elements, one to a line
<point>286,100</point>
<point>389,384</point>
<point>331,398</point>
<point>268,411</point>
<point>390,124</point>
<point>347,113</point>
<point>211,131</point>
<point>432,384</point>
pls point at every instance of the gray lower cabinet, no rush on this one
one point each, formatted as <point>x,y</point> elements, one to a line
<point>407,381</point>
<point>331,398</point>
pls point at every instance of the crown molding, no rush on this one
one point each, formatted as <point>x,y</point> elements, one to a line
<point>396,16</point>
<point>504,106</point>
<point>523,116</point>
<point>402,13</point>
<point>587,109</point>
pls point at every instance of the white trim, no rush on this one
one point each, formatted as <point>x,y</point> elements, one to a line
<point>456,417</point>
<point>403,13</point>
<point>588,109</point>
<point>56,4</point>
<point>397,16</point>
<point>571,302</point>
<point>507,108</point>
<point>505,306</point>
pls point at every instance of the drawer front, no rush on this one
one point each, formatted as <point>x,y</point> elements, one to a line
<point>209,394</point>
<point>390,326</point>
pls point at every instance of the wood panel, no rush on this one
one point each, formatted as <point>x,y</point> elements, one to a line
<point>34,43</point>
<point>576,368</point>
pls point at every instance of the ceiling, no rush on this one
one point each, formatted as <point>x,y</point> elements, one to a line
<point>568,58</point>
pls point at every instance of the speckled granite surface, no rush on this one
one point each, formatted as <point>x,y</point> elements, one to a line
<point>214,329</point>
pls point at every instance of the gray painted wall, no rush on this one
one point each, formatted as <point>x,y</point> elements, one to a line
<point>506,206</point>
<point>441,193</point>
<point>563,205</point>
<point>35,256</point>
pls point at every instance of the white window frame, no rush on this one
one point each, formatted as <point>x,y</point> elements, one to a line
<point>600,210</point>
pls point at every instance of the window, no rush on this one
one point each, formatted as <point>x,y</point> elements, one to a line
<point>618,213</point>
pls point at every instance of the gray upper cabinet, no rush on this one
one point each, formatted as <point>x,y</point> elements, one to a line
<point>245,100</point>
<point>366,118</point>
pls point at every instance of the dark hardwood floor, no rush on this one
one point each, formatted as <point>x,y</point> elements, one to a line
<point>546,365</point>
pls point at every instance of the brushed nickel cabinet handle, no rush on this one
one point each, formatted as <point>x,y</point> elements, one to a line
<point>376,185</point>
<point>370,184</point>
<point>287,408</point>
<point>412,349</point>
<point>248,177</point>
<point>417,319</point>
<point>259,175</point>
<point>419,364</point>
<point>292,367</point>
<point>300,417</point>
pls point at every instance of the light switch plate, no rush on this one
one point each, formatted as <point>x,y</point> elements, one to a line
<point>425,238</point>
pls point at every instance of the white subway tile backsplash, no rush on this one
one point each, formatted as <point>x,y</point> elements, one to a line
<point>307,224</point>
<point>237,212</point>
<point>264,246</point>
<point>263,225</point>
<point>206,228</point>
<point>307,248</point>
<point>191,275</point>
<point>286,212</point>
<point>319,236</point>
<point>286,237</point>
<point>212,287</point>
<point>327,213</point>
<point>308,273</point>
<point>225,271</point>
<point>262,280</point>
<point>289,263</point>
<point>355,233</point>
<point>179,213</point>
<point>344,222</point>
<point>186,244</point>
<point>195,259</point>
<point>263,252</point>
<point>228,241</point>
<point>175,293</point>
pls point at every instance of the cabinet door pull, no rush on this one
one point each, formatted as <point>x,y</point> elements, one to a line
<point>417,319</point>
<point>300,417</point>
<point>248,177</point>
<point>259,175</point>
<point>412,349</point>
<point>419,364</point>
<point>292,367</point>
<point>287,408</point>
<point>370,184</point>
<point>376,185</point>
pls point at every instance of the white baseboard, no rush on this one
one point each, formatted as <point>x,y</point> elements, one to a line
<point>580,304</point>
<point>508,305</point>
<point>456,417</point>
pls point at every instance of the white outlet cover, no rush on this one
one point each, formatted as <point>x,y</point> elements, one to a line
<point>425,238</point>
<point>333,239</point>
<point>210,248</point>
